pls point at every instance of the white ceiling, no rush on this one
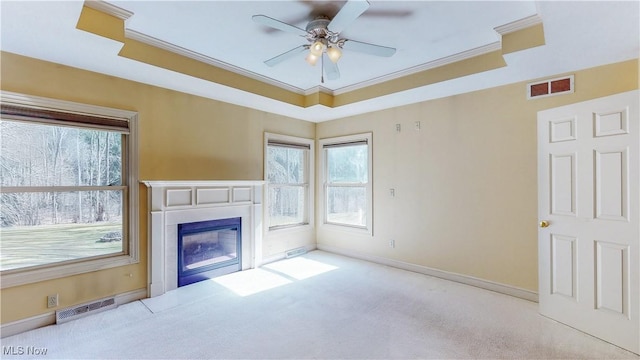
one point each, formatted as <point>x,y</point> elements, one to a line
<point>578,35</point>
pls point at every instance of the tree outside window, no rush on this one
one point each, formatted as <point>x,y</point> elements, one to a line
<point>63,196</point>
<point>287,171</point>
<point>347,181</point>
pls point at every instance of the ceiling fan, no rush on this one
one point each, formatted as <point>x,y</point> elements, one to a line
<point>324,41</point>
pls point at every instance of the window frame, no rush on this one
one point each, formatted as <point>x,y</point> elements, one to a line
<point>344,141</point>
<point>310,183</point>
<point>131,254</point>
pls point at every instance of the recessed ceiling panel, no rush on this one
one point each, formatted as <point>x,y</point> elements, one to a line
<point>420,31</point>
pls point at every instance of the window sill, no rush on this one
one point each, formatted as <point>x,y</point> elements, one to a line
<point>290,229</point>
<point>59,271</point>
<point>348,228</point>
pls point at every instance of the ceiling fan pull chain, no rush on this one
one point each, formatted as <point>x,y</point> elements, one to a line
<point>321,69</point>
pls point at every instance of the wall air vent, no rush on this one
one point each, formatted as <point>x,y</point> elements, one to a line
<point>295,252</point>
<point>563,85</point>
<point>79,311</point>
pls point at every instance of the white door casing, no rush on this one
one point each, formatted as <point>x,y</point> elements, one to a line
<point>588,192</point>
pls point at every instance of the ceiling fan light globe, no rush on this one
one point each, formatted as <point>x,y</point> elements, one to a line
<point>334,54</point>
<point>311,59</point>
<point>317,48</point>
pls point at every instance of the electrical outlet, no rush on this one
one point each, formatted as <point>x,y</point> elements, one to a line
<point>417,125</point>
<point>52,301</point>
<point>392,243</point>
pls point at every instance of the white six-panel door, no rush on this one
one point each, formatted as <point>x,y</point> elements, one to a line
<point>588,208</point>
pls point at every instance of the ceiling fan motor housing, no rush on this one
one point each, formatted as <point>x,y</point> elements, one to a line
<point>318,28</point>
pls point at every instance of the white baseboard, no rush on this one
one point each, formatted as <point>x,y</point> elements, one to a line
<point>464,279</point>
<point>131,296</point>
<point>34,322</point>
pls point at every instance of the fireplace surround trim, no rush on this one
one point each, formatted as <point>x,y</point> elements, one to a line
<point>173,202</point>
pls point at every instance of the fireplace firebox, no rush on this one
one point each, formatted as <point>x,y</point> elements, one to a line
<point>207,249</point>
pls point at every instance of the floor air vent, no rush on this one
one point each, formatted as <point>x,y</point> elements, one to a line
<point>295,252</point>
<point>79,311</point>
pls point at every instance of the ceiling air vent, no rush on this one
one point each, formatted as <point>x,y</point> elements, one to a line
<point>551,87</point>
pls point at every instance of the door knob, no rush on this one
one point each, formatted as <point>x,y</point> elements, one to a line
<point>544,224</point>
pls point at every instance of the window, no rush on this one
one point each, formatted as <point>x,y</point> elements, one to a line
<point>66,197</point>
<point>347,189</point>
<point>289,175</point>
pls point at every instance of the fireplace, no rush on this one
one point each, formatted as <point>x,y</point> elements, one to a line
<point>207,249</point>
<point>232,209</point>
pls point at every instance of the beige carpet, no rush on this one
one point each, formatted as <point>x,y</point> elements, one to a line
<point>320,306</point>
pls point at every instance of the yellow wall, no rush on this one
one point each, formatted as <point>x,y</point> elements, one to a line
<point>466,182</point>
<point>181,137</point>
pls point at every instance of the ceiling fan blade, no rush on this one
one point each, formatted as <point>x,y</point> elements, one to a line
<point>330,68</point>
<point>286,55</point>
<point>371,49</point>
<point>349,12</point>
<point>277,24</point>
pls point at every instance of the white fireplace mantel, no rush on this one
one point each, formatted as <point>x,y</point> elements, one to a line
<point>177,202</point>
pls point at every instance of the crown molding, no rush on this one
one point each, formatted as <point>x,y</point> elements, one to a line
<point>123,14</point>
<point>318,89</point>
<point>149,40</point>
<point>495,46</point>
<point>485,49</point>
<point>518,24</point>
<point>109,9</point>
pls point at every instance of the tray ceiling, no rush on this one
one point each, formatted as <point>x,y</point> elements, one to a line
<point>214,49</point>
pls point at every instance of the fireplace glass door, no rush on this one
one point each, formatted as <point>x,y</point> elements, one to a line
<point>208,249</point>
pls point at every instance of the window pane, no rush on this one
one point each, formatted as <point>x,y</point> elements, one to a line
<point>47,155</point>
<point>49,227</point>
<point>286,165</point>
<point>347,164</point>
<point>347,205</point>
<point>286,205</point>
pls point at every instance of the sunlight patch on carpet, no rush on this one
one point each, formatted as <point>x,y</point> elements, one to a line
<point>252,281</point>
<point>300,268</point>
